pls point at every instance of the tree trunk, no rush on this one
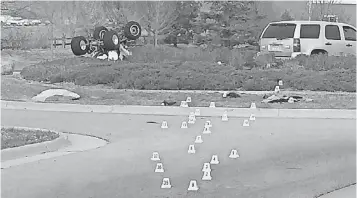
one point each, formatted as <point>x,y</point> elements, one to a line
<point>155,38</point>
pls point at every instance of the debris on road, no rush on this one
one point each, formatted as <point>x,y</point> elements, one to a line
<point>55,92</point>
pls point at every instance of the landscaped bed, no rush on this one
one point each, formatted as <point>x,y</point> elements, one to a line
<point>194,69</point>
<point>11,137</point>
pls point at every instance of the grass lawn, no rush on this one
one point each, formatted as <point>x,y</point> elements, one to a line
<point>19,89</point>
<point>11,137</point>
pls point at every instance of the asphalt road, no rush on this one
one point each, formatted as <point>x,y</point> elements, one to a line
<point>279,158</point>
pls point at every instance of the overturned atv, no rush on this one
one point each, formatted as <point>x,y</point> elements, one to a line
<point>104,41</point>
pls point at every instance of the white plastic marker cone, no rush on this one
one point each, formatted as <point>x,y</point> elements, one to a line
<point>184,125</point>
<point>234,154</point>
<point>191,149</point>
<point>155,156</point>
<point>183,104</point>
<point>197,112</point>
<point>225,116</point>
<point>159,168</point>
<point>192,186</point>
<point>225,94</point>
<point>277,89</point>
<point>191,120</point>
<point>253,106</point>
<point>212,105</point>
<point>214,159</point>
<point>245,123</point>
<point>207,176</point>
<point>208,124</point>
<point>198,139</point>
<point>188,99</point>
<point>165,183</point>
<point>252,117</point>
<point>206,167</point>
<point>280,82</point>
<point>206,130</point>
<point>164,125</point>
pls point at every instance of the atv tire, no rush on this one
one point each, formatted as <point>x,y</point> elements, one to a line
<point>111,40</point>
<point>132,30</point>
<point>79,45</point>
<point>99,32</point>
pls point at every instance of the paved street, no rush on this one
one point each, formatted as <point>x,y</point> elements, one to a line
<point>279,158</point>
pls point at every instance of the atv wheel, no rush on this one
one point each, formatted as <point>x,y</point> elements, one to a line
<point>99,32</point>
<point>132,30</point>
<point>79,45</point>
<point>111,40</point>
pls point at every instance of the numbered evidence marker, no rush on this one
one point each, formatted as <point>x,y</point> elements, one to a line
<point>184,104</point>
<point>192,186</point>
<point>252,117</point>
<point>155,156</point>
<point>166,183</point>
<point>253,106</point>
<point>214,159</point>
<point>208,124</point>
<point>159,168</point>
<point>246,123</point>
<point>164,125</point>
<point>188,99</point>
<point>277,89</point>
<point>191,118</point>
<point>206,130</point>
<point>206,167</point>
<point>184,125</point>
<point>191,149</point>
<point>212,105</point>
<point>198,139</point>
<point>234,154</point>
<point>207,176</point>
<point>197,112</point>
<point>280,83</point>
<point>225,116</point>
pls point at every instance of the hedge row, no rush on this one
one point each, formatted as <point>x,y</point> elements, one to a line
<point>304,73</point>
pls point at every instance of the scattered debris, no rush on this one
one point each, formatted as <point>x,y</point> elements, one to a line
<point>284,98</point>
<point>55,92</point>
<point>167,103</point>
<point>231,95</point>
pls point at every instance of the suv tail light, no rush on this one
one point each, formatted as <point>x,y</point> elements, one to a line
<point>296,45</point>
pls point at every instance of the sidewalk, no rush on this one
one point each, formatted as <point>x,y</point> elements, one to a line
<point>180,111</point>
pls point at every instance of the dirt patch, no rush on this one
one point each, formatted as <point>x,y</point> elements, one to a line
<point>11,137</point>
<point>19,89</point>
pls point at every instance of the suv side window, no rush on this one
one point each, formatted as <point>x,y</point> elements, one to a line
<point>310,31</point>
<point>350,33</point>
<point>332,32</point>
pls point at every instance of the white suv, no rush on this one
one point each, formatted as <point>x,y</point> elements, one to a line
<point>287,39</point>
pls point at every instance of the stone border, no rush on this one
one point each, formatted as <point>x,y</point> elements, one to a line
<point>179,111</point>
<point>34,149</point>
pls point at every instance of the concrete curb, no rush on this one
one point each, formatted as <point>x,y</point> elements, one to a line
<point>34,149</point>
<point>79,143</point>
<point>179,111</point>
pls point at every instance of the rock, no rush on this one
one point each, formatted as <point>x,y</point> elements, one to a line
<point>7,69</point>
<point>55,92</point>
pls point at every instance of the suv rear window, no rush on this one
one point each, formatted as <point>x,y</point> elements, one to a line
<point>280,30</point>
<point>350,33</point>
<point>310,31</point>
